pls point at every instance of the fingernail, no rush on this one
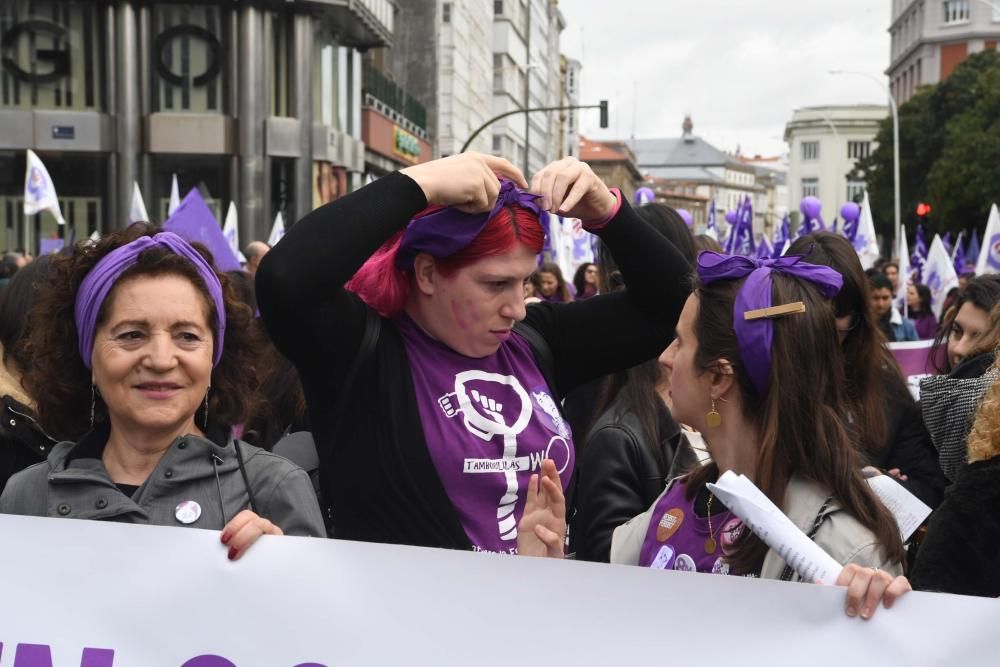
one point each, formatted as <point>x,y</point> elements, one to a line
<point>852,612</point>
<point>226,537</point>
<point>233,553</point>
<point>866,613</point>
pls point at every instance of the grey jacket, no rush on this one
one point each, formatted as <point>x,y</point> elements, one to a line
<point>839,534</point>
<point>73,483</point>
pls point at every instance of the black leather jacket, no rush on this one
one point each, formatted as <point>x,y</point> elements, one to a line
<point>619,477</point>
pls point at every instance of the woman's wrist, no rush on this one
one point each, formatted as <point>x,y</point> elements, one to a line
<point>615,206</point>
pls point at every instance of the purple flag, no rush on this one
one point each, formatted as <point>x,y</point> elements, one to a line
<point>764,250</point>
<point>49,246</point>
<point>972,252</point>
<point>782,235</point>
<point>946,240</point>
<point>193,221</point>
<point>919,256</point>
<point>959,258</point>
<point>744,244</point>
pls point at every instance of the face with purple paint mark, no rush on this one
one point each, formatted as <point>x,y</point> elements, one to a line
<point>473,310</point>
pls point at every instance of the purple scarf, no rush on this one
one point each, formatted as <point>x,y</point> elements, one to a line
<point>754,336</point>
<point>102,278</point>
<point>448,230</point>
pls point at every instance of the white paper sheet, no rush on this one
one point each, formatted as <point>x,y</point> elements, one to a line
<point>909,511</point>
<point>776,530</point>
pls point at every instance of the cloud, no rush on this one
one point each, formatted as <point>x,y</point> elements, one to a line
<point>739,67</point>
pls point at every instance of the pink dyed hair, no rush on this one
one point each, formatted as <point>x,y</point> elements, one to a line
<point>385,288</point>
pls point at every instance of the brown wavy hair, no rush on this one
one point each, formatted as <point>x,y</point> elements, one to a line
<point>800,421</point>
<point>57,375</point>
<point>869,367</point>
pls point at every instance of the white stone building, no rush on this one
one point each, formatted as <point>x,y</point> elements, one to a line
<point>824,145</point>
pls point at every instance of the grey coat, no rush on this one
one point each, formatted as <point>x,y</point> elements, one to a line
<point>73,483</point>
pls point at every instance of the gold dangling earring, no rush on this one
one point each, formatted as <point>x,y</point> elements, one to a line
<point>713,419</point>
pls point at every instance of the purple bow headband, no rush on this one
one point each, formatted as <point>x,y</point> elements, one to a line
<point>754,336</point>
<point>448,230</point>
<point>98,283</point>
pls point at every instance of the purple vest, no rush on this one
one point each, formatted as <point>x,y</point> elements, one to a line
<point>678,539</point>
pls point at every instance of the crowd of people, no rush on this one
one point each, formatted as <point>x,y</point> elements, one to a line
<point>400,368</point>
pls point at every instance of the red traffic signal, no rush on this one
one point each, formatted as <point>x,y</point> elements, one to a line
<point>923,209</point>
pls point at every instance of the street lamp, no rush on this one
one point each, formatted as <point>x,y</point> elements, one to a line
<point>895,144</point>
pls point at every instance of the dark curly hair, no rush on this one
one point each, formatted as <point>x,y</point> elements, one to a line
<point>57,375</point>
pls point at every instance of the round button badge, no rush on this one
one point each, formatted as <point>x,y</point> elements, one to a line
<point>188,512</point>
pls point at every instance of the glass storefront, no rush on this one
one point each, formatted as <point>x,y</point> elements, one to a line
<point>189,58</point>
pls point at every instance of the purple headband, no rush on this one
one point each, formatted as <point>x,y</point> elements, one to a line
<point>754,335</point>
<point>98,283</point>
<point>448,230</point>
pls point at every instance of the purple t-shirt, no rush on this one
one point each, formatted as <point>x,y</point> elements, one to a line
<point>488,423</point>
<point>677,538</point>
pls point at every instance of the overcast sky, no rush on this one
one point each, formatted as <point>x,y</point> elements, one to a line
<point>739,67</point>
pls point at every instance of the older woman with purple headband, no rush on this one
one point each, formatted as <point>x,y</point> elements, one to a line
<point>142,360</point>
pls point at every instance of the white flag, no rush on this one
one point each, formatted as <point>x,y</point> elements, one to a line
<point>905,270</point>
<point>175,197</point>
<point>232,232</point>
<point>137,210</point>
<point>39,191</point>
<point>939,274</point>
<point>94,237</point>
<point>989,253</point>
<point>277,230</point>
<point>866,242</point>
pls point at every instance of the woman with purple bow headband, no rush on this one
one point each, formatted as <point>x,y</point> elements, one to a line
<point>432,390</point>
<point>142,358</point>
<point>754,367</point>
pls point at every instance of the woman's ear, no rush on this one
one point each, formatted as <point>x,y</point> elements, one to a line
<point>723,378</point>
<point>424,273</point>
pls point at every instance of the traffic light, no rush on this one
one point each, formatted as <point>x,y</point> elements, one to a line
<point>923,210</point>
<point>604,113</point>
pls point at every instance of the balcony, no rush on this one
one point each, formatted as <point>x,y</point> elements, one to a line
<point>362,24</point>
<point>383,95</point>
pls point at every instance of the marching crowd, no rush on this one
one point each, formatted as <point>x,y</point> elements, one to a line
<point>401,369</point>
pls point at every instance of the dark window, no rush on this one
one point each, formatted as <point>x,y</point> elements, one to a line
<point>446,12</point>
<point>498,7</point>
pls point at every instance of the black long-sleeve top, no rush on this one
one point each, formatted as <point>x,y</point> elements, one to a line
<point>375,468</point>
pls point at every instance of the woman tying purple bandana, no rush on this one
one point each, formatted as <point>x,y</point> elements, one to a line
<point>142,357</point>
<point>433,391</point>
<point>754,367</point>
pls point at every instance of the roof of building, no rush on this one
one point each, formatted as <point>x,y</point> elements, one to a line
<point>603,151</point>
<point>677,151</point>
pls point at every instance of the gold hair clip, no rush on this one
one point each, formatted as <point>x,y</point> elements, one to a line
<point>775,311</point>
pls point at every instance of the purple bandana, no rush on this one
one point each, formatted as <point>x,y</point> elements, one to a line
<point>98,283</point>
<point>754,336</point>
<point>448,230</point>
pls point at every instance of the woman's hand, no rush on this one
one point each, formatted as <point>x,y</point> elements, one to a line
<point>467,181</point>
<point>243,530</point>
<point>542,530</point>
<point>867,586</point>
<point>570,188</point>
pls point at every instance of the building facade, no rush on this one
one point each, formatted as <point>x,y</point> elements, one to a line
<point>526,62</point>
<point>931,37</point>
<point>257,102</point>
<point>614,163</point>
<point>825,144</point>
<point>688,168</point>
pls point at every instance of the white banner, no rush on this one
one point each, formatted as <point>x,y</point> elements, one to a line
<point>111,595</point>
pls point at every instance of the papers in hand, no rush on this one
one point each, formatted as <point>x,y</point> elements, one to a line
<point>907,509</point>
<point>775,529</point>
